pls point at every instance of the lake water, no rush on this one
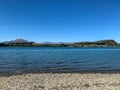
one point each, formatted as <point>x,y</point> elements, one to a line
<point>51,59</point>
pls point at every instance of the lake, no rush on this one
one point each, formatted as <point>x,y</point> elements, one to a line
<point>58,59</point>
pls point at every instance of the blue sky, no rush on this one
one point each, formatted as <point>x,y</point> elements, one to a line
<point>60,20</point>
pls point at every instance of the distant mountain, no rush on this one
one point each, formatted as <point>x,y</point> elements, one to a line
<point>107,42</point>
<point>100,43</point>
<point>18,41</point>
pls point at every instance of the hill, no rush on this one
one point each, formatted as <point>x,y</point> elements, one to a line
<point>100,43</point>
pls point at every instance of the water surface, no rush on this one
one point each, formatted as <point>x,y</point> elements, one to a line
<point>58,59</point>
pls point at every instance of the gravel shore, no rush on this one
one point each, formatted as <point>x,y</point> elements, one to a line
<point>61,81</point>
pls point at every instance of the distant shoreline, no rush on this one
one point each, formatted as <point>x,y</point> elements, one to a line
<point>22,42</point>
<point>69,46</point>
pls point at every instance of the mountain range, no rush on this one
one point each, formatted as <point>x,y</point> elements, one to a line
<point>23,42</point>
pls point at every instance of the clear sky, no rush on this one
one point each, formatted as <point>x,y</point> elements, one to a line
<point>60,20</point>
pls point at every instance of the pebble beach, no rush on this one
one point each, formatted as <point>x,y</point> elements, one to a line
<point>61,81</point>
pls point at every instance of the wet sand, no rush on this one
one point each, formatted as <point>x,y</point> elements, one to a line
<point>61,81</point>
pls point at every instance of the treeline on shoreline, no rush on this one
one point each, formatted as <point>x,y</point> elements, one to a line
<point>22,42</point>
